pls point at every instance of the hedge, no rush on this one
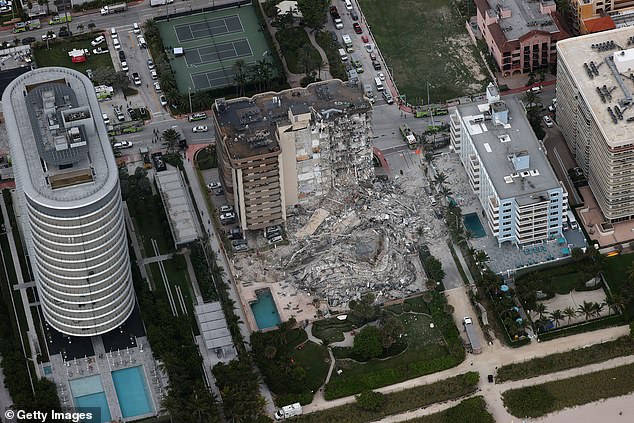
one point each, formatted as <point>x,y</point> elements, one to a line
<point>471,410</point>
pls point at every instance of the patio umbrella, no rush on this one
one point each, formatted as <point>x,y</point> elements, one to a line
<point>504,288</point>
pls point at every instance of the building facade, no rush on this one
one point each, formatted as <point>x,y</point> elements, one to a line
<point>520,35</point>
<point>69,201</point>
<point>594,93</point>
<point>523,201</point>
<point>279,150</point>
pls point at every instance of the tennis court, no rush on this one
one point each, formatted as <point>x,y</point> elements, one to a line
<point>208,28</point>
<point>212,42</point>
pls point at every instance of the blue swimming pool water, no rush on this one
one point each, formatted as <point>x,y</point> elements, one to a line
<point>134,398</point>
<point>472,223</point>
<point>88,394</point>
<point>264,310</point>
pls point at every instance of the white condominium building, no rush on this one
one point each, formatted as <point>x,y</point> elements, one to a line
<point>69,201</point>
<point>595,111</point>
<point>523,201</point>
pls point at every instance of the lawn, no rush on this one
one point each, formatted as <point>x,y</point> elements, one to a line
<point>425,43</point>
<point>539,400</point>
<point>557,280</point>
<point>292,367</point>
<point>427,351</point>
<point>472,410</point>
<point>57,54</point>
<point>566,360</point>
<point>330,47</point>
<point>401,401</point>
<point>331,330</point>
<point>293,41</point>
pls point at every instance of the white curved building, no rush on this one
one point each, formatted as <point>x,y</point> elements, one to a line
<point>69,201</point>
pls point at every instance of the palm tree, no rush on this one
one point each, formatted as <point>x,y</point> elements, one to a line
<point>440,178</point>
<point>270,352</point>
<point>541,310</point>
<point>445,191</point>
<point>618,303</point>
<point>481,257</point>
<point>597,308</point>
<point>586,309</point>
<point>170,137</point>
<point>629,273</point>
<point>570,312</point>
<point>557,316</point>
<point>240,75</point>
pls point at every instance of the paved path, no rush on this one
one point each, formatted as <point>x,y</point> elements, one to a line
<point>463,263</point>
<point>156,259</point>
<point>325,70</point>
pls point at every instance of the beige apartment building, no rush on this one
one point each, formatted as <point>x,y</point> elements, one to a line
<point>595,81</point>
<point>279,150</point>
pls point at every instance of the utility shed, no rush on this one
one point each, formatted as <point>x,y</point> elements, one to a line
<point>214,329</point>
<point>178,206</point>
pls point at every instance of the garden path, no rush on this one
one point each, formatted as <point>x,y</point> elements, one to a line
<point>325,70</point>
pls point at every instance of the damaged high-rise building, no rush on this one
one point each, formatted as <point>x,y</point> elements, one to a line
<point>279,150</point>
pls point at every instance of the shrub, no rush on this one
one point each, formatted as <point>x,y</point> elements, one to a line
<point>367,343</point>
<point>370,400</point>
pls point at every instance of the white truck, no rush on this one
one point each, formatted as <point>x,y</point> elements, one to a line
<point>476,348</point>
<point>288,411</point>
<point>115,8</point>
<point>154,3</point>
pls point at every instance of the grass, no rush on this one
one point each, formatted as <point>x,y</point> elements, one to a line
<point>399,402</point>
<point>57,54</point>
<point>331,330</point>
<point>614,273</point>
<point>428,351</point>
<point>425,44</point>
<point>471,410</point>
<point>566,360</point>
<point>292,41</point>
<point>539,400</point>
<point>557,280</point>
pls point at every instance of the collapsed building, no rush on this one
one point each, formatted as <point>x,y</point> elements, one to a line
<point>277,151</point>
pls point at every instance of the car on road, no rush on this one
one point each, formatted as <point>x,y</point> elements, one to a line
<point>354,15</point>
<point>163,100</point>
<point>124,66</point>
<point>548,121</point>
<point>28,40</point>
<point>218,192</point>
<point>535,90</point>
<point>135,28</point>
<point>372,56</point>
<point>357,28</point>
<point>106,119</point>
<point>200,128</point>
<point>122,144</point>
<point>369,48</point>
<point>121,55</point>
<point>49,36</point>
<point>153,75</point>
<point>197,116</point>
<point>150,64</point>
<point>376,65</point>
<point>388,97</point>
<point>365,38</point>
<point>100,39</point>
<point>136,78</point>
<point>64,32</point>
<point>380,75</point>
<point>100,50</point>
<point>213,185</point>
<point>226,209</point>
<point>157,87</point>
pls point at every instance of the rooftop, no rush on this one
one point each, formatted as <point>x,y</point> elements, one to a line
<point>510,153</point>
<point>525,16</point>
<point>213,326</point>
<point>602,67</point>
<point>177,203</point>
<point>250,124</point>
<point>58,141</point>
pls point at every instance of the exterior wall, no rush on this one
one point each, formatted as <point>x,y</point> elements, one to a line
<point>288,164</point>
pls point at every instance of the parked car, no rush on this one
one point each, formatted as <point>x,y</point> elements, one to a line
<point>100,50</point>
<point>548,121</point>
<point>106,119</point>
<point>240,248</point>
<point>357,28</point>
<point>237,242</point>
<point>124,66</point>
<point>213,185</point>
<point>135,28</point>
<point>150,64</point>
<point>226,209</point>
<point>376,65</point>
<point>197,116</point>
<point>122,144</point>
<point>121,55</point>
<point>276,239</point>
<point>157,87</point>
<point>380,75</point>
<point>354,15</point>
<point>388,97</point>
<point>100,39</point>
<point>136,78</point>
<point>49,36</point>
<point>153,75</point>
<point>200,128</point>
<point>117,45</point>
<point>372,56</point>
<point>219,191</point>
<point>28,40</point>
<point>365,38</point>
<point>163,100</point>
<point>535,90</point>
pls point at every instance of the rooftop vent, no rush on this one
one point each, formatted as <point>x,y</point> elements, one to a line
<point>504,138</point>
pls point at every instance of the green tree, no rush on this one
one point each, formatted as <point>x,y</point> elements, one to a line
<point>541,310</point>
<point>481,257</point>
<point>370,400</point>
<point>391,330</point>
<point>239,387</point>
<point>364,310</point>
<point>367,343</point>
<point>171,137</point>
<point>433,269</point>
<point>570,312</point>
<point>270,352</point>
<point>240,71</point>
<point>308,59</point>
<point>557,316</point>
<point>586,309</point>
<point>597,308</point>
<point>577,254</point>
<point>314,12</point>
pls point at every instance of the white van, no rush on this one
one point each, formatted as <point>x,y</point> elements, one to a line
<point>378,83</point>
<point>348,5</point>
<point>342,55</point>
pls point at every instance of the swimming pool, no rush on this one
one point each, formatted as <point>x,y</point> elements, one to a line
<point>472,224</point>
<point>264,310</point>
<point>88,394</point>
<point>134,398</point>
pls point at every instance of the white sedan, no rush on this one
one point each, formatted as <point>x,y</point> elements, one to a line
<point>100,39</point>
<point>100,50</point>
<point>200,128</point>
<point>157,87</point>
<point>548,121</point>
<point>381,76</point>
<point>213,185</point>
<point>122,144</point>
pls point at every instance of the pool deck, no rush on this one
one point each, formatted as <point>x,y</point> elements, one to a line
<point>103,363</point>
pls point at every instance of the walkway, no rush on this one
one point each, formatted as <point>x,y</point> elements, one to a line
<point>156,259</point>
<point>325,70</point>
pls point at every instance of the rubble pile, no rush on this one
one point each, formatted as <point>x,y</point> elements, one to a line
<point>367,241</point>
